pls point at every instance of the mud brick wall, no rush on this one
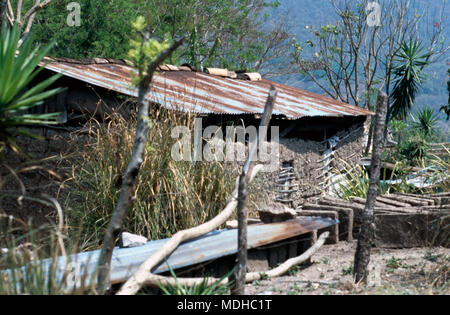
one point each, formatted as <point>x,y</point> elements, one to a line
<point>307,160</point>
<point>350,149</point>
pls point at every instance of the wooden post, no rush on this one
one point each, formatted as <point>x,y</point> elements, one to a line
<point>238,277</point>
<point>241,270</point>
<point>366,236</point>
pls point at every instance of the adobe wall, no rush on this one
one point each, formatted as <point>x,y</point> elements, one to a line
<point>308,162</point>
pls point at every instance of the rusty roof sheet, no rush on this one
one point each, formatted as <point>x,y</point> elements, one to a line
<point>200,92</point>
<point>216,244</point>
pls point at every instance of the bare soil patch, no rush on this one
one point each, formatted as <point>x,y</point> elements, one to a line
<point>392,271</point>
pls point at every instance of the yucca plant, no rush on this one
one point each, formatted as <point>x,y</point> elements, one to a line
<point>17,70</point>
<point>410,61</point>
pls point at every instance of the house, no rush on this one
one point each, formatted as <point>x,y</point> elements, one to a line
<point>316,133</point>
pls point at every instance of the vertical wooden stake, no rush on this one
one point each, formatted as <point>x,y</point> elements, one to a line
<point>238,277</point>
<point>238,287</point>
<point>366,235</point>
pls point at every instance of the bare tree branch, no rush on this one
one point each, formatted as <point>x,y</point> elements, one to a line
<point>38,5</point>
<point>10,10</point>
<point>19,10</point>
<point>156,280</point>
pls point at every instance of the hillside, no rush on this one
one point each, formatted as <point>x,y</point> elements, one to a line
<point>319,12</point>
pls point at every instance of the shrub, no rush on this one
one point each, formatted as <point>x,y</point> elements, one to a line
<point>414,148</point>
<point>354,181</point>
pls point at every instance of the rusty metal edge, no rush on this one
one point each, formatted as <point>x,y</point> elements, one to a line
<point>212,246</point>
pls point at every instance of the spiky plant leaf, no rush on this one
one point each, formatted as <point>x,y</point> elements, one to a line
<point>410,61</point>
<point>17,95</point>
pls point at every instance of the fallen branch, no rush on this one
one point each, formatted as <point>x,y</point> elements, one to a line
<point>156,280</point>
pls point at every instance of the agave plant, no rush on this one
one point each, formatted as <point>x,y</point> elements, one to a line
<point>410,61</point>
<point>17,95</point>
<point>425,121</point>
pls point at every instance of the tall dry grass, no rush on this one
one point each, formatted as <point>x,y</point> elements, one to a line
<point>170,195</point>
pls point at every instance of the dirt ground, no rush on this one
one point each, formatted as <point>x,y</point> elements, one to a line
<point>392,271</point>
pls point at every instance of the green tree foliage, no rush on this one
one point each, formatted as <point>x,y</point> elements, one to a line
<point>143,50</point>
<point>104,30</point>
<point>16,95</point>
<point>220,33</point>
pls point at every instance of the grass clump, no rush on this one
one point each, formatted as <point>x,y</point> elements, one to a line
<point>170,195</point>
<point>30,261</point>
<point>203,288</point>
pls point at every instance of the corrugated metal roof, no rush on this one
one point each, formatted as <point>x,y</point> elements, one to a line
<point>204,93</point>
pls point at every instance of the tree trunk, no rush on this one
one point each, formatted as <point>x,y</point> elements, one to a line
<point>365,239</point>
<point>369,138</point>
<point>241,267</point>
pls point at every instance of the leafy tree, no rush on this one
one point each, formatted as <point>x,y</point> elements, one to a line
<point>219,33</point>
<point>103,31</point>
<point>351,60</point>
<point>16,96</point>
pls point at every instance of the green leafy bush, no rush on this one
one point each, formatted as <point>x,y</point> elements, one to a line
<point>426,121</point>
<point>414,148</point>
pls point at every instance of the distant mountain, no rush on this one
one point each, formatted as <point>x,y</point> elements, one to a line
<point>319,12</point>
